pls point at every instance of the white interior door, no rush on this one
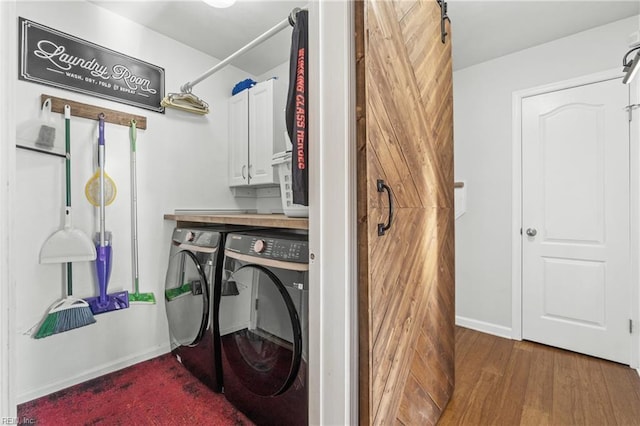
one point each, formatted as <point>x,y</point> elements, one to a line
<point>575,218</point>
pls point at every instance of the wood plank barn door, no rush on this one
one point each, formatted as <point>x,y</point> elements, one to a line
<point>406,276</point>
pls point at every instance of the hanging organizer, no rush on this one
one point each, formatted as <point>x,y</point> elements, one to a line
<point>32,134</point>
<point>91,112</point>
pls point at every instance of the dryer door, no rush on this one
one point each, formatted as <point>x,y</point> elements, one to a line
<point>186,298</point>
<point>260,329</point>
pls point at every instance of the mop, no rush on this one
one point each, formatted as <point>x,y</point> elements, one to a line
<point>104,302</point>
<point>136,297</point>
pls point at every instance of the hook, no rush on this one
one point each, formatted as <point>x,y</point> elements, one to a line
<point>625,61</point>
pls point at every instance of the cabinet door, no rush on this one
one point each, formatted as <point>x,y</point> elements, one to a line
<point>239,139</point>
<point>261,133</point>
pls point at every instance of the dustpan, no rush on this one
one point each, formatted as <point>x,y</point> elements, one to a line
<point>67,244</point>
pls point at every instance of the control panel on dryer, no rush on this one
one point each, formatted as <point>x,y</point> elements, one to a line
<point>196,237</point>
<point>270,248</point>
<point>291,251</point>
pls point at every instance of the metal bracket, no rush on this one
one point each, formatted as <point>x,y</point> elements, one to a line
<point>630,108</point>
<point>196,287</point>
<point>443,17</point>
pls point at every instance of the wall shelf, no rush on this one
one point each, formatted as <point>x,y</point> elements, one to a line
<point>266,220</point>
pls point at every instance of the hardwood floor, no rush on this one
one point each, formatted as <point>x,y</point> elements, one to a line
<point>507,382</point>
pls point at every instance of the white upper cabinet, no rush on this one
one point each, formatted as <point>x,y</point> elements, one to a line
<point>239,139</point>
<point>256,132</point>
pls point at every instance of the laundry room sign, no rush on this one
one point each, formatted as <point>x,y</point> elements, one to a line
<point>53,58</point>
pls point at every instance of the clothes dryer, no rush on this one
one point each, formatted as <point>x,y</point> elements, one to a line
<point>192,295</point>
<point>264,325</point>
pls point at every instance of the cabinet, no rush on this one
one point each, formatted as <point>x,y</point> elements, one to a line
<point>256,132</point>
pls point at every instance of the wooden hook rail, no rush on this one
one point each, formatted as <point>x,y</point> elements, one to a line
<point>91,112</point>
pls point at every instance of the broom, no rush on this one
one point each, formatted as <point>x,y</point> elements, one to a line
<point>67,314</point>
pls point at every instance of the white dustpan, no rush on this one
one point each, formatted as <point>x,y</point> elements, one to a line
<point>68,244</point>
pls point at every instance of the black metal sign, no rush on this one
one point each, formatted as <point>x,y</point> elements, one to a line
<point>51,57</point>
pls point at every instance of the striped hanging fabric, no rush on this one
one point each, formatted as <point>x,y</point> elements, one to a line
<point>297,107</point>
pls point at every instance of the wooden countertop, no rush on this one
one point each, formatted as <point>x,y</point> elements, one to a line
<point>266,220</point>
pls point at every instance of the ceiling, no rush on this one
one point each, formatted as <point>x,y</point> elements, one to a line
<point>217,32</point>
<point>482,30</point>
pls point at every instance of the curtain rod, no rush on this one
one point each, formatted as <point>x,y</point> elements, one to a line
<point>289,21</point>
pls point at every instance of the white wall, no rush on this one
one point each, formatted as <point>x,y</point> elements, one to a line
<point>483,157</point>
<point>182,163</point>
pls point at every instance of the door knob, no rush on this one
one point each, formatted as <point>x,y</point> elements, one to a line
<point>531,232</point>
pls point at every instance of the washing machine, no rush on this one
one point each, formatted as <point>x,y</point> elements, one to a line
<point>264,325</point>
<point>192,294</point>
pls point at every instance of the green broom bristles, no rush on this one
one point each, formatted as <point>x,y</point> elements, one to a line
<point>64,316</point>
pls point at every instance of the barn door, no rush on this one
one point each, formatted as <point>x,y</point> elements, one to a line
<point>406,253</point>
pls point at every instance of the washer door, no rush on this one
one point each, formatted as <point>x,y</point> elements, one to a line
<point>260,330</point>
<point>186,298</point>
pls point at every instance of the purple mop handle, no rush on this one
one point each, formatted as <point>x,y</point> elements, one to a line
<point>103,265</point>
<point>103,259</point>
<point>101,148</point>
<point>101,129</point>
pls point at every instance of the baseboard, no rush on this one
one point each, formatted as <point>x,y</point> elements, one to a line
<point>92,374</point>
<point>485,327</point>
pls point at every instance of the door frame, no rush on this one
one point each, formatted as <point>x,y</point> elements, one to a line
<point>8,76</point>
<point>516,199</point>
<point>333,316</point>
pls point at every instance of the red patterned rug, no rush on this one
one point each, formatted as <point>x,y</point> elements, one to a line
<point>155,392</point>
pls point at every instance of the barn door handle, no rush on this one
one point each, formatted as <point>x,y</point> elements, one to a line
<point>382,228</point>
